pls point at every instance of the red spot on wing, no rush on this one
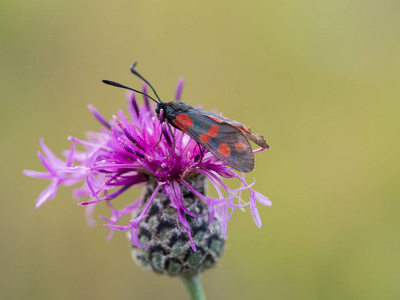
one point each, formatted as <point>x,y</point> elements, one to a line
<point>213,131</point>
<point>185,120</point>
<point>179,125</point>
<point>224,149</point>
<point>215,119</point>
<point>243,128</point>
<point>205,138</point>
<point>239,146</point>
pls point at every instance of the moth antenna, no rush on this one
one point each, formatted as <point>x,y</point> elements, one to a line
<point>116,84</point>
<point>144,79</point>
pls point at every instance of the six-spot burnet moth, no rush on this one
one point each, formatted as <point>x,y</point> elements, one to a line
<point>223,137</point>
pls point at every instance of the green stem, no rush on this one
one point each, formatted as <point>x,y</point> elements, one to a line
<point>194,286</point>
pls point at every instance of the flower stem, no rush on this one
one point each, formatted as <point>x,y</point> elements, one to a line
<point>193,284</point>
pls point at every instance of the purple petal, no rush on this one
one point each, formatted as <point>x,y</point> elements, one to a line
<point>204,198</point>
<point>54,160</point>
<point>223,214</point>
<point>99,117</point>
<point>262,199</point>
<point>182,219</point>
<point>134,237</point>
<point>89,215</point>
<point>135,222</point>
<point>70,159</point>
<point>134,106</point>
<point>49,193</point>
<point>119,227</point>
<point>255,214</point>
<point>179,89</point>
<point>36,174</point>
<point>258,150</point>
<point>46,164</point>
<point>117,193</point>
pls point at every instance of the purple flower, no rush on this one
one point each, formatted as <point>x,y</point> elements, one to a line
<point>139,150</point>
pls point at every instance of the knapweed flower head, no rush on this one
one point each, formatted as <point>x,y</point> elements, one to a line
<point>140,151</point>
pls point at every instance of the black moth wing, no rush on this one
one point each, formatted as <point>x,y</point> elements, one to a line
<point>256,138</point>
<point>223,140</point>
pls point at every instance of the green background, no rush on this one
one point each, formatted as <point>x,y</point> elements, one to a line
<point>319,79</point>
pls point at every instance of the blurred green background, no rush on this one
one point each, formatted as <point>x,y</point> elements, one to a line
<point>319,79</point>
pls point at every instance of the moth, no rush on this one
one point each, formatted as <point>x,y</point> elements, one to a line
<point>227,139</point>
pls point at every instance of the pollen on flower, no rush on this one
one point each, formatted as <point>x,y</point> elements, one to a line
<point>136,150</point>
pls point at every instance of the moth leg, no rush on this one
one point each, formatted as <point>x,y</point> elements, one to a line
<point>201,154</point>
<point>173,140</point>
<point>158,140</point>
